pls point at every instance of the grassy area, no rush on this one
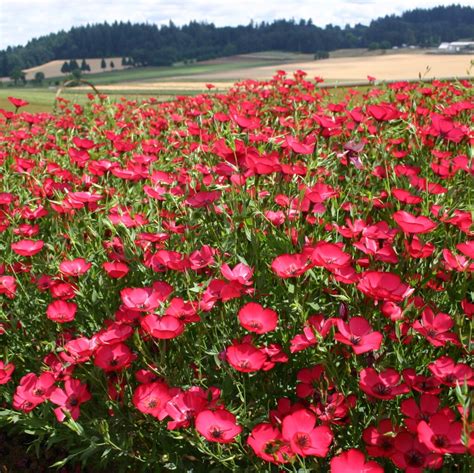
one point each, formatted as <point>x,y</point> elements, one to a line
<point>144,74</point>
<point>40,100</point>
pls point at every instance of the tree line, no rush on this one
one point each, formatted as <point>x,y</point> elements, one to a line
<point>148,44</point>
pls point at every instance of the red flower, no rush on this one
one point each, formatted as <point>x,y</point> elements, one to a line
<point>384,385</point>
<point>422,384</point>
<point>245,357</point>
<point>80,349</point>
<point>241,273</point>
<point>299,429</point>
<point>441,434</point>
<point>61,311</point>
<point>308,378</point>
<point>411,224</point>
<point>384,286</point>
<point>202,199</point>
<point>217,426</point>
<point>380,440</point>
<point>414,413</point>
<point>267,443</point>
<point>255,318</point>
<point>449,372</point>
<point>165,327</point>
<point>330,256</point>
<point>151,399</point>
<point>358,334</point>
<point>6,371</point>
<point>115,270</point>
<point>353,461</point>
<point>113,357</point>
<point>70,398</point>
<point>416,249</point>
<point>290,266</point>
<point>32,391</point>
<point>27,247</point>
<point>298,147</point>
<point>75,267</point>
<point>435,328</point>
<point>8,286</point>
<point>140,299</point>
<point>185,406</point>
<point>17,102</point>
<point>412,456</point>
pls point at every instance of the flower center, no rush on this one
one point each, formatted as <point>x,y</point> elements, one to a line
<point>355,340</point>
<point>216,432</point>
<point>302,439</point>
<point>73,401</point>
<point>440,441</point>
<point>381,389</point>
<point>414,458</point>
<point>152,403</point>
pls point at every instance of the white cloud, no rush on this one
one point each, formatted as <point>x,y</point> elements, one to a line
<point>22,20</point>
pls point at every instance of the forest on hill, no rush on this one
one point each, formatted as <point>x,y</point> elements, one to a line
<point>149,44</point>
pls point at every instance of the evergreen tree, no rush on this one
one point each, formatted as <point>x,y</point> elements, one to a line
<point>84,66</point>
<point>65,68</point>
<point>112,65</point>
<point>148,44</point>
<point>73,65</point>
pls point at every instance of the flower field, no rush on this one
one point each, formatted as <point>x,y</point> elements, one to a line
<point>278,278</point>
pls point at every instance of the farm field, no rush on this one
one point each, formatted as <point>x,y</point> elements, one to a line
<point>273,278</point>
<point>186,79</point>
<point>52,69</point>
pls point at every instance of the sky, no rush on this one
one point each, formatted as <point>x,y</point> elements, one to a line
<point>22,20</point>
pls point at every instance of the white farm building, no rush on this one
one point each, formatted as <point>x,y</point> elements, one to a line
<point>457,47</point>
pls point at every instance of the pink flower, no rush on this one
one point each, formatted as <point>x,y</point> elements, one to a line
<point>255,318</point>
<point>217,426</point>
<point>353,461</point>
<point>299,429</point>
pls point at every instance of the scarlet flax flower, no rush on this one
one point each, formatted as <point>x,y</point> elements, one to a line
<point>305,439</point>
<point>217,426</point>
<point>358,334</point>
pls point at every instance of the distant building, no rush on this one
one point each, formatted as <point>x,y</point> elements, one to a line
<point>457,47</point>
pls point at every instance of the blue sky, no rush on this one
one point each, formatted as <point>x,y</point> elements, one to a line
<point>22,20</point>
